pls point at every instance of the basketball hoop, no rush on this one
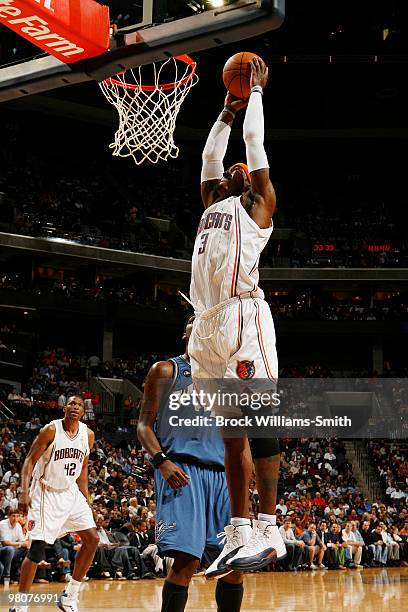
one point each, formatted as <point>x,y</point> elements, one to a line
<point>148,113</point>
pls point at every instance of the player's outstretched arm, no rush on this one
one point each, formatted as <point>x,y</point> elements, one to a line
<point>38,448</point>
<point>156,389</point>
<point>258,166</point>
<point>215,149</point>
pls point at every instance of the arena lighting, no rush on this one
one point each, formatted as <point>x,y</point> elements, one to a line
<point>215,3</point>
<point>196,6</point>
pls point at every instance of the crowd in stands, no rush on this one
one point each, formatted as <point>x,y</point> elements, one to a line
<point>88,202</point>
<point>325,520</point>
<point>391,461</point>
<point>296,305</point>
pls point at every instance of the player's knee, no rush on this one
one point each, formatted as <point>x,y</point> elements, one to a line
<point>184,567</point>
<point>90,538</point>
<point>36,552</point>
<point>264,447</point>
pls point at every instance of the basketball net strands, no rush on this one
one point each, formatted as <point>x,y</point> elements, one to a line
<point>148,112</point>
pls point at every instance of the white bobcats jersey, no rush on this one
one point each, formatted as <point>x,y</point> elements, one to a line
<point>226,254</point>
<point>61,464</point>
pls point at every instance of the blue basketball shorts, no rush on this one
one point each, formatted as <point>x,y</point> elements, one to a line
<point>189,519</point>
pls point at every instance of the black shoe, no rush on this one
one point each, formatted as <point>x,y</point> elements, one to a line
<point>133,577</point>
<point>149,576</point>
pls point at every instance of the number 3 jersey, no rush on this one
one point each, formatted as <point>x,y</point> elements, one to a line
<point>226,254</point>
<point>61,464</point>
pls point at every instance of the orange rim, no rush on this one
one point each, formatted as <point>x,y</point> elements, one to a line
<point>165,86</point>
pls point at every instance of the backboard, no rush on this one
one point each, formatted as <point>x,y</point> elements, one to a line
<point>140,33</point>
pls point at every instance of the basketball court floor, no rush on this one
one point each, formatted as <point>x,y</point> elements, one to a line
<point>377,590</point>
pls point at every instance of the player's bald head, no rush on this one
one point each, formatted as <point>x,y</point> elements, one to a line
<point>188,326</point>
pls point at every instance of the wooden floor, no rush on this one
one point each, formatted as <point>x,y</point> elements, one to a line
<point>376,590</point>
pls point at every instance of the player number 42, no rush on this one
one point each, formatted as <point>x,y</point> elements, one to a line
<point>70,469</point>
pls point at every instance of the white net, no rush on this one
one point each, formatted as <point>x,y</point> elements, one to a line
<point>148,113</point>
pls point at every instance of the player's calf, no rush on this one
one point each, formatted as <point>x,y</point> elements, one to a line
<point>68,600</point>
<point>228,595</point>
<point>175,588</point>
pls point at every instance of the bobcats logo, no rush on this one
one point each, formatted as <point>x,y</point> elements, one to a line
<point>245,369</point>
<point>161,527</point>
<point>30,525</point>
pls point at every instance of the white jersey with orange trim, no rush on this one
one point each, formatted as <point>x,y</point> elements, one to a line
<point>226,255</point>
<point>61,464</point>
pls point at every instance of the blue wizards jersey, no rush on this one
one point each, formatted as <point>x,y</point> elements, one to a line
<point>199,443</point>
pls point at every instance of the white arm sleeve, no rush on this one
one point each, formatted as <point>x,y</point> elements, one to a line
<point>214,151</point>
<point>254,133</point>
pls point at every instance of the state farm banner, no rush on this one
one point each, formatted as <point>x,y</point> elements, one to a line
<point>71,30</point>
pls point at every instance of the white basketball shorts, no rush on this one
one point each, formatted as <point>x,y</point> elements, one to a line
<point>55,513</point>
<point>235,340</point>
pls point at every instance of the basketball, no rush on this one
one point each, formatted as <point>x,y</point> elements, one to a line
<point>237,74</point>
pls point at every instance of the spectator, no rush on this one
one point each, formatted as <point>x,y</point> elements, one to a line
<point>295,548</point>
<point>335,553</point>
<point>11,535</point>
<point>378,547</point>
<point>353,547</point>
<point>314,547</point>
<point>116,554</point>
<point>94,362</point>
<point>282,506</point>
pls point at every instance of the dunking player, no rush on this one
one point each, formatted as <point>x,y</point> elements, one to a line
<point>233,335</point>
<point>191,489</point>
<point>57,502</point>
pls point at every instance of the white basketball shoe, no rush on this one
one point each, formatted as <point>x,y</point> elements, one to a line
<point>265,545</point>
<point>235,537</point>
<point>66,603</point>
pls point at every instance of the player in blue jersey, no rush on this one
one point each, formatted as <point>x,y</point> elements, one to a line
<point>192,502</point>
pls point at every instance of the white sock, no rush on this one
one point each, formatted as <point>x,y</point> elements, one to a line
<point>238,521</point>
<point>72,590</point>
<point>270,518</point>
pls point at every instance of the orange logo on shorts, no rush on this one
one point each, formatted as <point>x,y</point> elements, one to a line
<point>245,369</point>
<point>30,525</point>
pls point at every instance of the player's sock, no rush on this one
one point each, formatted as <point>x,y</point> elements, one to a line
<point>174,597</point>
<point>72,589</point>
<point>229,596</point>
<point>271,518</point>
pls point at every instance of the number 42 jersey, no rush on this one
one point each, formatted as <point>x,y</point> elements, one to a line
<point>226,254</point>
<point>61,464</point>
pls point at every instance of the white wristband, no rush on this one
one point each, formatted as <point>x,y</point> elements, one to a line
<point>254,133</point>
<point>214,151</point>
